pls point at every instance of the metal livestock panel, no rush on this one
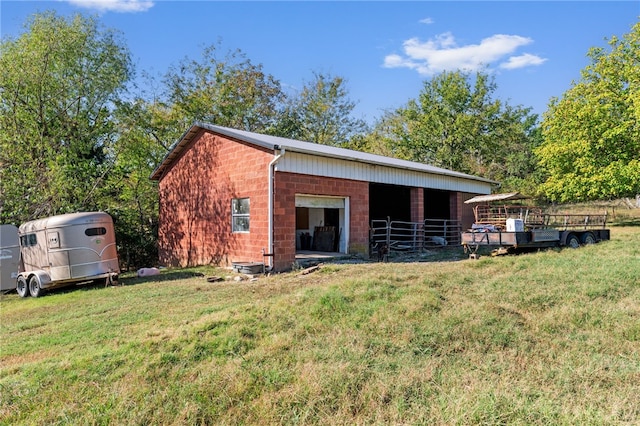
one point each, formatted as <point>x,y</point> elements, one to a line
<point>338,168</point>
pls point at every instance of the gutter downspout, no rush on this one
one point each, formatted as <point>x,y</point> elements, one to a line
<point>271,172</point>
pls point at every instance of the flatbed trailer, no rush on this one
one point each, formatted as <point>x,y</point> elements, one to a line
<point>509,228</point>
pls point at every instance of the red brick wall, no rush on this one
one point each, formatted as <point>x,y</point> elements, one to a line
<point>417,204</point>
<point>463,212</point>
<point>287,185</point>
<point>195,203</point>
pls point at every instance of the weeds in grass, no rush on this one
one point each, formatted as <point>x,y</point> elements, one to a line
<point>543,338</point>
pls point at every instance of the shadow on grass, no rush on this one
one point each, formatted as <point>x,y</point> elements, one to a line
<point>126,279</point>
<point>631,221</point>
<point>173,275</point>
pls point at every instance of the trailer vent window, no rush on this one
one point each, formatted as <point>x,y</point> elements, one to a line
<point>28,240</point>
<point>91,232</point>
<point>240,214</point>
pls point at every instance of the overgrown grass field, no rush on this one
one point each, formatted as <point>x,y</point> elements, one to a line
<point>545,338</point>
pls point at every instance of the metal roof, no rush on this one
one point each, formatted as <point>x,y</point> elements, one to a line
<point>277,143</point>
<point>68,219</point>
<point>496,197</point>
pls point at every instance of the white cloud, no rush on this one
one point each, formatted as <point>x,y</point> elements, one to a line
<point>522,61</point>
<point>427,21</point>
<point>442,53</point>
<point>114,5</point>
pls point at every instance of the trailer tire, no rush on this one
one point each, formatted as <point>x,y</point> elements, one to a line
<point>573,241</point>
<point>34,287</point>
<point>588,238</point>
<point>21,287</point>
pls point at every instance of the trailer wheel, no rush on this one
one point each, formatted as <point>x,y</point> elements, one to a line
<point>34,287</point>
<point>21,287</point>
<point>573,241</point>
<point>588,238</point>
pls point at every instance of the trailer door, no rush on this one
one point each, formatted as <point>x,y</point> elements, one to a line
<point>58,258</point>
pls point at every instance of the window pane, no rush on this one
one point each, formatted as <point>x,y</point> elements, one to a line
<point>241,224</point>
<point>89,232</point>
<point>28,240</point>
<point>240,215</point>
<point>240,206</point>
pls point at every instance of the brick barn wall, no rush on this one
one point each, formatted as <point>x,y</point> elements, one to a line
<point>463,212</point>
<point>287,185</point>
<point>195,203</point>
<point>417,204</point>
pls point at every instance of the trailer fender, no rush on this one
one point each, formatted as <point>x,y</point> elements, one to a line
<point>570,239</point>
<point>42,276</point>
<point>563,237</point>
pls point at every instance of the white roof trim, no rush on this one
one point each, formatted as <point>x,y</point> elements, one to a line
<point>496,197</point>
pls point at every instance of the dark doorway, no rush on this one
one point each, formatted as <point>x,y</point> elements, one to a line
<point>332,218</point>
<point>392,201</point>
<point>436,204</point>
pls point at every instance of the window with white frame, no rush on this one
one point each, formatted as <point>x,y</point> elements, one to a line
<point>240,215</point>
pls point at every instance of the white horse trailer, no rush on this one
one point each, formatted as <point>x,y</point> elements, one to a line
<point>9,257</point>
<point>68,249</point>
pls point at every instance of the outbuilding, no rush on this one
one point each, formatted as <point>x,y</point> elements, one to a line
<point>229,196</point>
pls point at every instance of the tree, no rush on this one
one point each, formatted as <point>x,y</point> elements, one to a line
<point>58,85</point>
<point>591,147</point>
<point>456,124</point>
<point>128,194</point>
<point>320,113</point>
<point>382,138</point>
<point>229,91</point>
<point>513,163</point>
<point>226,91</point>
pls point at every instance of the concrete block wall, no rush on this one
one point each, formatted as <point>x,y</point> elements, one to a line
<point>195,203</point>
<point>463,212</point>
<point>195,206</point>
<point>287,185</point>
<point>417,204</point>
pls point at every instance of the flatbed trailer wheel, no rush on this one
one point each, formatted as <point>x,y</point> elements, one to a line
<point>573,241</point>
<point>588,238</point>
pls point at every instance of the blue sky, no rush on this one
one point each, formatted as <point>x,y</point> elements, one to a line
<point>385,50</point>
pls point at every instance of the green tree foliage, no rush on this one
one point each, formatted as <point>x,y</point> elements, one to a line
<point>228,91</point>
<point>456,124</point>
<point>69,142</point>
<point>59,82</point>
<point>591,146</point>
<point>320,113</point>
<point>128,194</point>
<point>382,138</point>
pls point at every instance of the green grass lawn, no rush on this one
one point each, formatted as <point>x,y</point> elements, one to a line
<point>545,338</point>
